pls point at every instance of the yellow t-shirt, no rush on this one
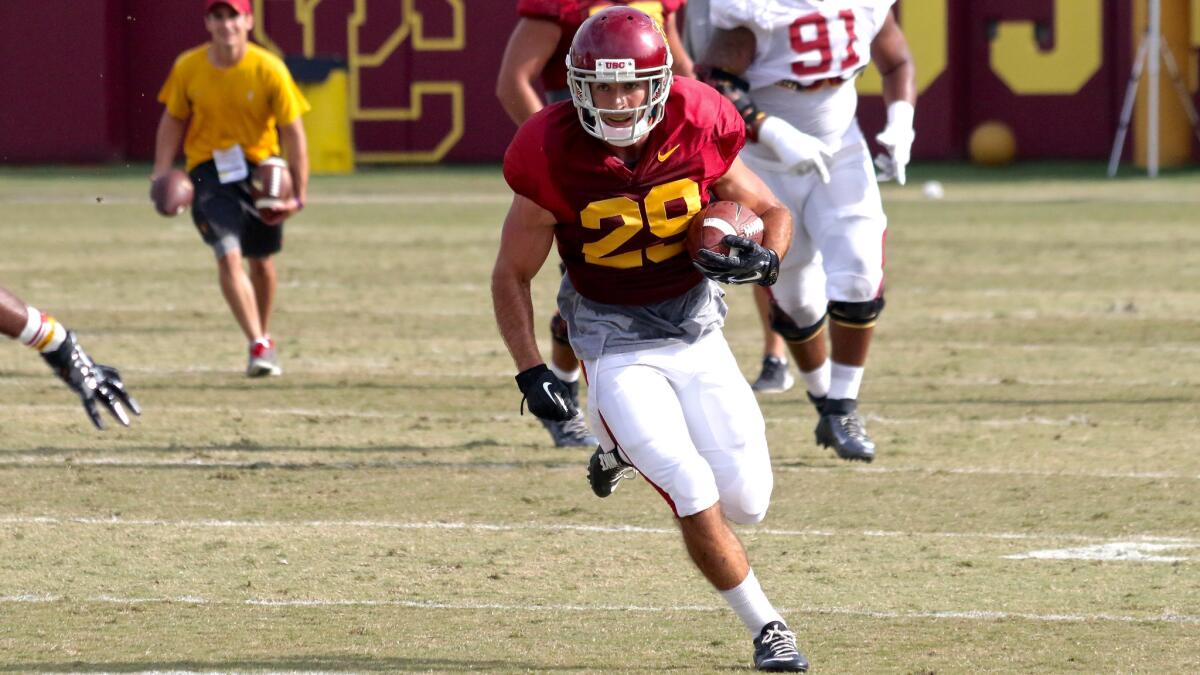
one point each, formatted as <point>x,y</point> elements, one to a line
<point>241,104</point>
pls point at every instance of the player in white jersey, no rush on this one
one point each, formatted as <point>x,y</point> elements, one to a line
<point>789,67</point>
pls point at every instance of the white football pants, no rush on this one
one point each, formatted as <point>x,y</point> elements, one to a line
<point>837,234</point>
<point>684,416</point>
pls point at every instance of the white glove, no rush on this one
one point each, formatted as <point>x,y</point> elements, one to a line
<point>897,139</point>
<point>797,151</point>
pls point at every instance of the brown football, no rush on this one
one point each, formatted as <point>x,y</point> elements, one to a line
<point>172,193</point>
<point>718,219</point>
<point>271,185</point>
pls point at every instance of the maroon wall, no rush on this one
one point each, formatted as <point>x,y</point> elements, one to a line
<point>95,100</point>
<point>62,102</point>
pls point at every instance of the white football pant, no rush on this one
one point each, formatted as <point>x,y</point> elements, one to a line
<point>837,234</point>
<point>684,416</point>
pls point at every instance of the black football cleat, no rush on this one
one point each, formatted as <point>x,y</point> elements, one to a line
<point>843,429</point>
<point>606,470</point>
<point>775,650</point>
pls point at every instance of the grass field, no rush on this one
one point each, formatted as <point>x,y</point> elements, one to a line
<point>383,507</point>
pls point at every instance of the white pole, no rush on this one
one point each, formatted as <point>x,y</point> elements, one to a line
<point>1114,158</point>
<point>1153,35</point>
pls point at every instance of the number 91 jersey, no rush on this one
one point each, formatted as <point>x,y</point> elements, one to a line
<point>805,41</point>
<point>621,228</point>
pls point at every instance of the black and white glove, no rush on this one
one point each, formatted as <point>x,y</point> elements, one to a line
<point>93,382</point>
<point>547,396</point>
<point>746,263</point>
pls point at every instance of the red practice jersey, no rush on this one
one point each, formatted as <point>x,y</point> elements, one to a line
<point>569,14</point>
<point>621,229</point>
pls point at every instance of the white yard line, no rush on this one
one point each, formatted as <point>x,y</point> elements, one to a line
<point>116,521</point>
<point>70,458</point>
<point>978,615</point>
<point>1069,420</point>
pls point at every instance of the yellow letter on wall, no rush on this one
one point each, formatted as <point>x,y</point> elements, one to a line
<point>1026,69</point>
<point>925,27</point>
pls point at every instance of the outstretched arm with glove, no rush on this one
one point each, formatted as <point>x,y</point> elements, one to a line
<point>97,385</point>
<point>890,52</point>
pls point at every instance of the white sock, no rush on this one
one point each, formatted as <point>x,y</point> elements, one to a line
<point>563,375</point>
<point>845,381</point>
<point>751,605</point>
<point>817,381</point>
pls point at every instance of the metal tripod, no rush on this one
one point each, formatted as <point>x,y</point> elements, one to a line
<point>1151,43</point>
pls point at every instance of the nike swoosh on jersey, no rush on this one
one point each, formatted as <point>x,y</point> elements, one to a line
<point>662,156</point>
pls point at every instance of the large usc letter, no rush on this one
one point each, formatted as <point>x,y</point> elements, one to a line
<point>404,107</point>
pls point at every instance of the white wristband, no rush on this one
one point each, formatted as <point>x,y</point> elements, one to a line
<point>33,322</point>
<point>900,114</point>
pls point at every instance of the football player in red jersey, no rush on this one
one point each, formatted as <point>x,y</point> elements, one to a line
<point>61,350</point>
<point>790,70</point>
<point>536,49</point>
<point>614,177</point>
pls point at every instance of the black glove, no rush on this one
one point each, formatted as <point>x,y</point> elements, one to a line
<point>548,397</point>
<point>91,381</point>
<point>746,263</point>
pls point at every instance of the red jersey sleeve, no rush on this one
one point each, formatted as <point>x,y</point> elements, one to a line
<point>527,162</point>
<point>539,9</point>
<point>672,6</point>
<point>729,132</point>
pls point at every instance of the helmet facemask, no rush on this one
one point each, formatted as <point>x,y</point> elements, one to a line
<point>620,71</point>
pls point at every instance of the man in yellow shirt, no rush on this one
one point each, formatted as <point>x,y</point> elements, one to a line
<point>229,95</point>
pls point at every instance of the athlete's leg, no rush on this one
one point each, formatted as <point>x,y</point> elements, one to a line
<point>239,293</point>
<point>265,281</point>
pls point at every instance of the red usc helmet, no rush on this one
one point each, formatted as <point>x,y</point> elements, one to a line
<point>617,45</point>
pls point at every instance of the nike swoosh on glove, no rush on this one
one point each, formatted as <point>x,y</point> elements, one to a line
<point>547,396</point>
<point>747,262</point>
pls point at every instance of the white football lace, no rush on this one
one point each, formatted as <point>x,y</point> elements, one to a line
<point>853,424</point>
<point>782,642</point>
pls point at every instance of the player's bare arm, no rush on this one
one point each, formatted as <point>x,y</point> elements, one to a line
<point>166,143</point>
<point>889,51</point>
<point>530,46</point>
<point>729,55</point>
<point>742,185</point>
<point>681,63</point>
<point>524,245</point>
<point>12,314</point>
<point>295,149</point>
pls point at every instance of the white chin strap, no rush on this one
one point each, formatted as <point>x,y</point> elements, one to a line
<point>623,137</point>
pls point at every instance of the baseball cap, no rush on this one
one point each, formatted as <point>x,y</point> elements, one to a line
<point>239,6</point>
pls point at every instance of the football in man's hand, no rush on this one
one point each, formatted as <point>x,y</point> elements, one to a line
<point>718,219</point>
<point>271,185</point>
<point>172,193</point>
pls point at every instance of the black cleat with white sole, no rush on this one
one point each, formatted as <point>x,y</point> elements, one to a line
<point>606,470</point>
<point>775,650</point>
<point>843,429</point>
